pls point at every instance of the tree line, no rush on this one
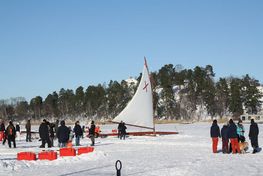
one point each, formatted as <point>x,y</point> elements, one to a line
<point>177,94</point>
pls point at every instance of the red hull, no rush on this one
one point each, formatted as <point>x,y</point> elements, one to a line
<point>145,133</point>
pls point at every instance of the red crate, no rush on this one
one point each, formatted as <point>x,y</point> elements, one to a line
<point>28,156</point>
<point>82,150</point>
<point>67,152</point>
<point>48,155</point>
<point>114,131</point>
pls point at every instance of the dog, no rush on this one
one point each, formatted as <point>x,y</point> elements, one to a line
<point>243,147</point>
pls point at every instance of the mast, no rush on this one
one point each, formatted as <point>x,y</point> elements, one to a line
<point>145,62</point>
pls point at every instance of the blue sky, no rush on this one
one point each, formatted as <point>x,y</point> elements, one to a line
<point>47,45</point>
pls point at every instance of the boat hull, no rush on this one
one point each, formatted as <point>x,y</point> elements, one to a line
<point>144,133</point>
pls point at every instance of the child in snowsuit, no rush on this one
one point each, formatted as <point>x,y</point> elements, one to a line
<point>240,131</point>
<point>214,133</point>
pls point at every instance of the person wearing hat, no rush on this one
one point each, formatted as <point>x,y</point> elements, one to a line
<point>63,134</point>
<point>253,135</point>
<point>240,131</point>
<point>214,133</point>
<point>44,134</point>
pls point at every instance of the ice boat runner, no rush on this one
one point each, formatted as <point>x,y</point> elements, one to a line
<point>139,111</point>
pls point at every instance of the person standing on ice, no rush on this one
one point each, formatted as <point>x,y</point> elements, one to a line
<point>51,133</point>
<point>240,131</point>
<point>92,133</point>
<point>253,135</point>
<point>28,131</point>
<point>215,134</point>
<point>63,134</point>
<point>2,131</point>
<point>119,129</point>
<point>123,131</point>
<point>56,127</point>
<point>232,134</point>
<point>11,134</point>
<point>18,131</point>
<point>78,133</point>
<point>224,134</point>
<point>44,134</point>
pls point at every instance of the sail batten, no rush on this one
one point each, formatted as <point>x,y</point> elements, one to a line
<point>139,111</point>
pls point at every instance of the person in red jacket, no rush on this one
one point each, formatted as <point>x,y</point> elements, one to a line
<point>11,134</point>
<point>215,134</point>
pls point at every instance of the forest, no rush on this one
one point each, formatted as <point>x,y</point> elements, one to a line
<point>178,93</point>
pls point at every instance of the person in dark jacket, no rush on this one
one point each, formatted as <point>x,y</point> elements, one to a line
<point>232,134</point>
<point>215,134</point>
<point>56,127</point>
<point>123,131</point>
<point>253,135</point>
<point>44,134</point>
<point>120,128</point>
<point>2,126</point>
<point>28,131</point>
<point>92,133</point>
<point>78,133</point>
<point>224,134</point>
<point>51,133</point>
<point>2,131</point>
<point>63,134</point>
<point>11,134</point>
<point>18,128</point>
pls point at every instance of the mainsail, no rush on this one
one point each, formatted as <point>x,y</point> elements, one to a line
<point>139,111</point>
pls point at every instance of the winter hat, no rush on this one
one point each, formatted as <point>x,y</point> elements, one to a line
<point>231,121</point>
<point>62,123</point>
<point>215,121</point>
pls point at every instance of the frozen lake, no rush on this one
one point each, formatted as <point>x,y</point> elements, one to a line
<point>188,153</point>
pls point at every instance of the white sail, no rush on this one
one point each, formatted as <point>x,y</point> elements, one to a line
<point>139,111</point>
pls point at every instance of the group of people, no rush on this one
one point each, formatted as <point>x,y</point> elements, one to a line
<point>235,134</point>
<point>64,134</point>
<point>47,133</point>
<point>122,130</point>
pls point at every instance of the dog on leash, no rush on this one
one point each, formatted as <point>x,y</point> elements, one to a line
<point>243,147</point>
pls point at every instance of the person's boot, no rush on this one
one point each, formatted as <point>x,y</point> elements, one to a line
<point>254,151</point>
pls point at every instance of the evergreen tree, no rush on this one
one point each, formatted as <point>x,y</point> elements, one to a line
<point>251,94</point>
<point>22,109</point>
<point>36,105</point>
<point>80,99</point>
<point>222,97</point>
<point>235,106</point>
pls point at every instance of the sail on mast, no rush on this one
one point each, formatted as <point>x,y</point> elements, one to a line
<point>139,111</point>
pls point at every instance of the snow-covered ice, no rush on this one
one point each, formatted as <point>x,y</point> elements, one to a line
<point>188,153</point>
